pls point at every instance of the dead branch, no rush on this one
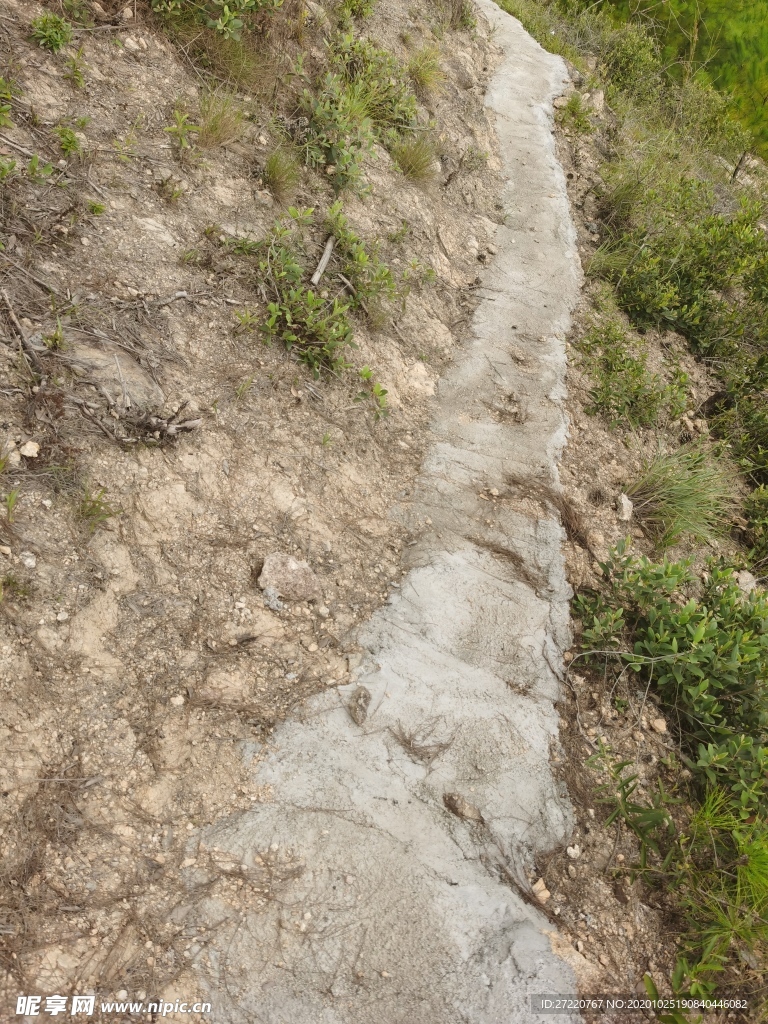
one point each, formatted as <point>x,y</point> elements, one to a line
<point>325,260</point>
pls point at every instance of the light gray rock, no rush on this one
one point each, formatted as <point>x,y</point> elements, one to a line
<point>288,578</point>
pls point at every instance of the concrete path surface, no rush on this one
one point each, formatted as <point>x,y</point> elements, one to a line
<point>406,812</point>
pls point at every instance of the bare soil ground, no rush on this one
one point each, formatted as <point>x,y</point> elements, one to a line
<point>142,671</point>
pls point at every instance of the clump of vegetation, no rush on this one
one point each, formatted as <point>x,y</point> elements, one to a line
<point>340,130</point>
<point>318,329</point>
<point>52,32</point>
<point>459,14</point>
<point>95,511</point>
<point>416,159</point>
<point>221,119</point>
<point>686,492</point>
<point>378,79</point>
<point>574,116</point>
<point>371,280</point>
<point>756,510</point>
<point>229,19</point>
<point>68,140</point>
<point>282,174</point>
<point>706,659</point>
<point>184,133</point>
<point>425,71</point>
<point>348,9</point>
<point>625,391</point>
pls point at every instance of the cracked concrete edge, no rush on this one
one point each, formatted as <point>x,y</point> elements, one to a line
<point>400,912</point>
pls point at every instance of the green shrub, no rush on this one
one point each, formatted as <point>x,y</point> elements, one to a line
<point>316,328</point>
<point>756,511</point>
<point>378,78</point>
<point>371,279</point>
<point>625,391</point>
<point>687,492</point>
<point>348,9</point>
<point>340,130</point>
<point>630,61</point>
<point>227,17</point>
<point>707,659</point>
<point>319,329</point>
<point>574,116</point>
<point>52,32</point>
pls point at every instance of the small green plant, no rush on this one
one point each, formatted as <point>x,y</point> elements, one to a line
<point>425,71</point>
<point>183,131</point>
<point>7,169</point>
<point>416,160</point>
<point>52,32</point>
<point>55,340</point>
<point>686,492</point>
<point>10,501</point>
<point>282,174</point>
<point>221,119</point>
<point>243,388</point>
<point>247,320</point>
<point>228,19</point>
<point>318,329</point>
<point>401,234</point>
<point>625,391</point>
<point>38,172</point>
<point>75,68</point>
<point>574,116</point>
<point>68,140</point>
<point>170,189</point>
<point>348,9</point>
<point>378,81</point>
<point>95,511</point>
<point>376,392</point>
<point>95,208</point>
<point>125,147</point>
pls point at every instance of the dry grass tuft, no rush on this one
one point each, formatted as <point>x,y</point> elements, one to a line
<point>282,173</point>
<point>417,160</point>
<point>221,119</point>
<point>425,71</point>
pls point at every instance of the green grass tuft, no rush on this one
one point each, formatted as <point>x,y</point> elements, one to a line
<point>687,492</point>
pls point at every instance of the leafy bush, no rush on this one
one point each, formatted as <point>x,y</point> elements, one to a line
<point>52,32</point>
<point>687,492</point>
<point>227,17</point>
<point>706,658</point>
<point>348,9</point>
<point>371,279</point>
<point>625,390</point>
<point>378,78</point>
<point>630,61</point>
<point>318,329</point>
<point>756,511</point>
<point>340,130</point>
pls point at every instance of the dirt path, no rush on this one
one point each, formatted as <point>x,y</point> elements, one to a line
<point>382,882</point>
